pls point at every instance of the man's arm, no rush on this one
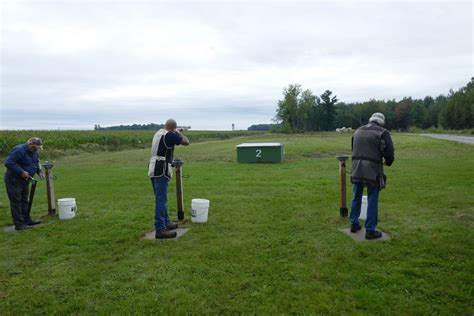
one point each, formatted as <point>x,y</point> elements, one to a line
<point>185,140</point>
<point>388,149</point>
<point>39,170</point>
<point>12,163</point>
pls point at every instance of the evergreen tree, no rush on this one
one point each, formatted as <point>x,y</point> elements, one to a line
<point>402,113</point>
<point>328,111</point>
<point>418,114</point>
<point>459,108</point>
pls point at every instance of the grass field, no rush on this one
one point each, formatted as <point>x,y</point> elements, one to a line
<point>271,245</point>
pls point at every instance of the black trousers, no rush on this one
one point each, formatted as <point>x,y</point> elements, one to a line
<point>18,190</point>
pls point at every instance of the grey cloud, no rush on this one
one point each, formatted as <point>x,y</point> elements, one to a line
<point>255,48</point>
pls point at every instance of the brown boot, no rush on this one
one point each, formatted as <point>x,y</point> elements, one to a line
<point>164,234</point>
<point>172,226</point>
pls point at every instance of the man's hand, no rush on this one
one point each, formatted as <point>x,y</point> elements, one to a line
<point>25,175</point>
<point>41,176</point>
<point>185,141</point>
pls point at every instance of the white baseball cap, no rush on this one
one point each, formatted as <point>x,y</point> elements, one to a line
<point>378,118</point>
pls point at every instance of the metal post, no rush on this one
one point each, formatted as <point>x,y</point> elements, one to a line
<point>32,195</point>
<point>48,166</point>
<point>342,172</point>
<point>178,163</point>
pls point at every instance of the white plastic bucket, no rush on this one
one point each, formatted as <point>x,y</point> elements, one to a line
<point>67,208</point>
<point>200,209</point>
<point>363,208</point>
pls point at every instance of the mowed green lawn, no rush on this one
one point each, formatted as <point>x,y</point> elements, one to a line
<point>271,245</point>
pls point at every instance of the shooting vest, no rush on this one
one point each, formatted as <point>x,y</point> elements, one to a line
<point>367,154</point>
<point>161,156</point>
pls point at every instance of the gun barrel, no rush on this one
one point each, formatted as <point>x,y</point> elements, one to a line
<point>179,188</point>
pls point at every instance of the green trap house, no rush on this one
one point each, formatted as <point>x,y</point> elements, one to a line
<point>260,152</point>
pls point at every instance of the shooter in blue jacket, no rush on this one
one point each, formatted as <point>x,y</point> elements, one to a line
<point>22,164</point>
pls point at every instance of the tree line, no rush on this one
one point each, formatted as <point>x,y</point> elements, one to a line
<point>135,127</point>
<point>264,127</point>
<point>301,110</point>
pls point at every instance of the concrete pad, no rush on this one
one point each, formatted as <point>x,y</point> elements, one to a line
<point>11,228</point>
<point>180,232</point>
<point>360,235</point>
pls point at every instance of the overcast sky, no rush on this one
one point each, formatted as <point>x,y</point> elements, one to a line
<point>73,64</point>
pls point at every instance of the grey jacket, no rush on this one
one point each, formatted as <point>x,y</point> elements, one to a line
<point>371,144</point>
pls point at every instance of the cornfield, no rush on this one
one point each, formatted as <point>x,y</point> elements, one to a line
<point>59,141</point>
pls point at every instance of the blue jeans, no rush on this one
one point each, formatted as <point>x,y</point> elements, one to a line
<point>160,188</point>
<point>17,191</point>
<point>372,207</point>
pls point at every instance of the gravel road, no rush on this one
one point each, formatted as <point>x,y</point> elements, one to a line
<point>456,138</point>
